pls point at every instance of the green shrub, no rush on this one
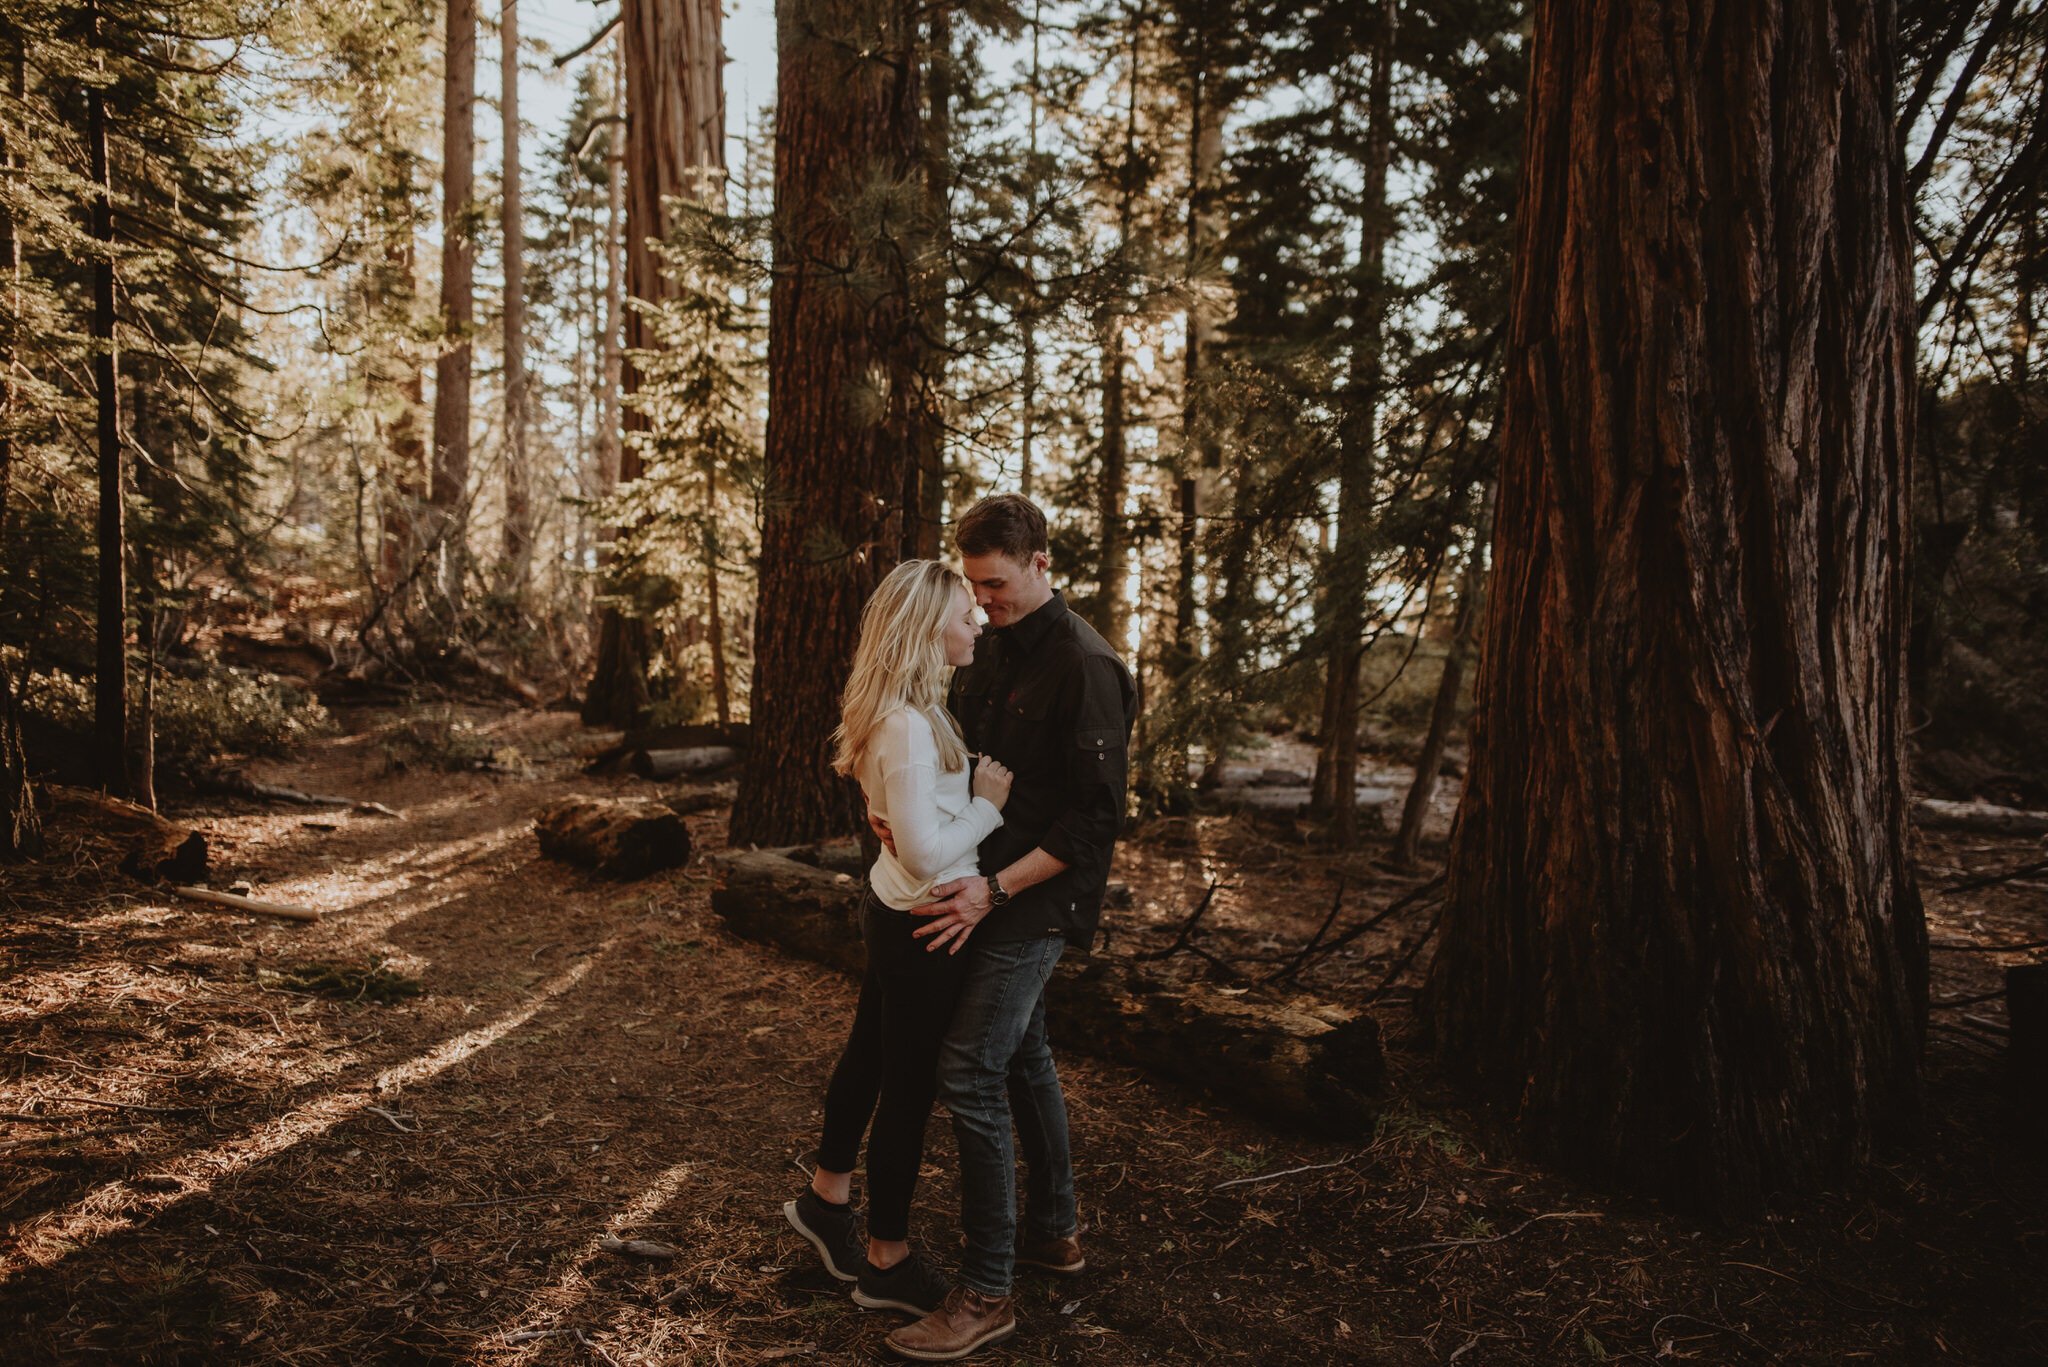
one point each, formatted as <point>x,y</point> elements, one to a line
<point>437,736</point>
<point>199,721</point>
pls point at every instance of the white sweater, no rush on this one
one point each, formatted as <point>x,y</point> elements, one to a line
<point>933,818</point>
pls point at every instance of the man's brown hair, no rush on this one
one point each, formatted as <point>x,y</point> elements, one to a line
<point>1008,525</point>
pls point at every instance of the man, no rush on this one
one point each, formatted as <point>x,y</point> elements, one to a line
<point>1048,697</point>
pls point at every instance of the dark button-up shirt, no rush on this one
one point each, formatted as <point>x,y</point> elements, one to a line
<point>1048,697</point>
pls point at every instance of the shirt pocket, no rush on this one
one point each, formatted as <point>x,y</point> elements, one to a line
<point>1099,755</point>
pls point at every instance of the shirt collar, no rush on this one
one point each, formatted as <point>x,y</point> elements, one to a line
<point>1027,632</point>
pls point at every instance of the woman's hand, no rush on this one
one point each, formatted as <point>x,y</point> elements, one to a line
<point>992,781</point>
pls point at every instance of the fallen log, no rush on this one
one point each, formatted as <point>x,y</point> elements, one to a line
<point>694,800</point>
<point>695,759</point>
<point>294,654</point>
<point>1282,1055</point>
<point>1933,813</point>
<point>620,837</point>
<point>248,904</point>
<point>237,784</point>
<point>152,849</point>
<point>613,758</point>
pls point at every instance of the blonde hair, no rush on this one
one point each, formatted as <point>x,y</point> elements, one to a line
<point>901,662</point>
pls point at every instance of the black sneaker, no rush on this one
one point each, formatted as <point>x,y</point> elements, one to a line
<point>833,1230</point>
<point>913,1286</point>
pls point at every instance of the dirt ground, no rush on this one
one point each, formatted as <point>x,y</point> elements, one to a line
<point>401,1134</point>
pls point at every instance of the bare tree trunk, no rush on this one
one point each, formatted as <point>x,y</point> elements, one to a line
<point>714,633</point>
<point>148,576</point>
<point>110,684</point>
<point>1443,714</point>
<point>449,489</point>
<point>614,289</point>
<point>675,145</point>
<point>1027,398</point>
<point>1336,777</point>
<point>21,825</point>
<point>1681,936</point>
<point>924,494</point>
<point>848,112</point>
<point>517,549</point>
<point>1113,479</point>
<point>403,495</point>
<point>1200,454</point>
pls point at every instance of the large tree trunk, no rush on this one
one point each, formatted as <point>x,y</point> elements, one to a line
<point>110,685</point>
<point>21,826</point>
<point>1336,778</point>
<point>843,364</point>
<point>1681,935</point>
<point>448,491</point>
<point>675,146</point>
<point>517,547</point>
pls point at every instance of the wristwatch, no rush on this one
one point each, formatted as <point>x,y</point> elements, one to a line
<point>997,893</point>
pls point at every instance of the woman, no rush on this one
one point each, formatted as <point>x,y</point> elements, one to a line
<point>897,739</point>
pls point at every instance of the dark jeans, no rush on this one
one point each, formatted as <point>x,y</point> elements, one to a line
<point>997,1066</point>
<point>889,1067</point>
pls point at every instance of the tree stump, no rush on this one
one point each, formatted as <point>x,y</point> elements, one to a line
<point>1281,1055</point>
<point>153,850</point>
<point>621,838</point>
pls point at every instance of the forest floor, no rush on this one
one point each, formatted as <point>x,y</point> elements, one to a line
<point>400,1135</point>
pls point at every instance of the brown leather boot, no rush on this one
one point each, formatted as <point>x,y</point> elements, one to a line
<point>1062,1256</point>
<point>965,1323</point>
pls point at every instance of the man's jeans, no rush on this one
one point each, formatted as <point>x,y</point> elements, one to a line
<point>996,1061</point>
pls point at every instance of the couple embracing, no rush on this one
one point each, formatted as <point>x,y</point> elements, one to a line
<point>998,797</point>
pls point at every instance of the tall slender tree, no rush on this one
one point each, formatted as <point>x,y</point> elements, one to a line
<point>1358,436</point>
<point>1450,688</point>
<point>448,490</point>
<point>516,554</point>
<point>110,683</point>
<point>21,829</point>
<point>1682,937</point>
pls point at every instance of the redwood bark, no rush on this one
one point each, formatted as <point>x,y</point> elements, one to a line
<point>843,364</point>
<point>674,146</point>
<point>447,492</point>
<point>1681,936</point>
